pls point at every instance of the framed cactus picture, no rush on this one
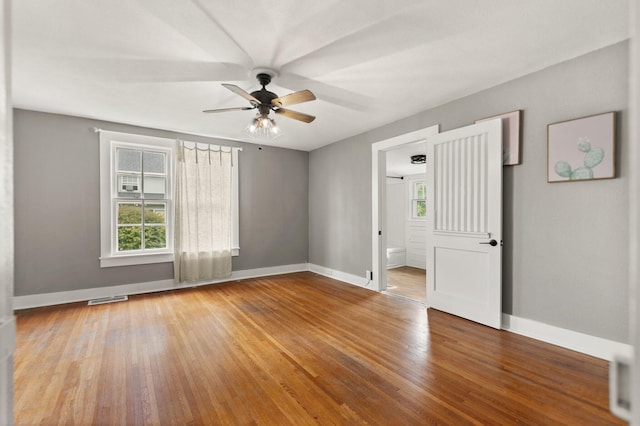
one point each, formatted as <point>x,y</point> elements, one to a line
<point>581,149</point>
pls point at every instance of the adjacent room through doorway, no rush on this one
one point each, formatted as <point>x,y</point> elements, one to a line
<point>405,221</point>
<point>409,282</point>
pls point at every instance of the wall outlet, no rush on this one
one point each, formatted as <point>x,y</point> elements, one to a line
<point>368,275</point>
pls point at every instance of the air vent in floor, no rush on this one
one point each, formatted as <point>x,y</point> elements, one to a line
<point>111,299</point>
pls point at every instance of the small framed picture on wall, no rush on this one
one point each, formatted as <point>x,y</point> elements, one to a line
<point>581,149</point>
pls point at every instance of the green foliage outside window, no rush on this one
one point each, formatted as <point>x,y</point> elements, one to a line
<point>419,200</point>
<point>130,236</point>
<point>155,237</point>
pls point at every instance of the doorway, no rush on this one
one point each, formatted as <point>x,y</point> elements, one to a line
<point>405,221</point>
<point>384,152</point>
<point>408,282</point>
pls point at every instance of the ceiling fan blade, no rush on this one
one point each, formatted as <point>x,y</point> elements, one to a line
<point>295,115</point>
<point>294,98</point>
<point>238,91</point>
<point>228,109</point>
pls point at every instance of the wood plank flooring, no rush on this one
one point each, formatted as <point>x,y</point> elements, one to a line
<point>291,349</point>
<point>408,282</point>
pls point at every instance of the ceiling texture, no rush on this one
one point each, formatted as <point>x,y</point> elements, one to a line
<point>159,63</point>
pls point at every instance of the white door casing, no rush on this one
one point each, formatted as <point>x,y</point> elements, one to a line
<point>7,319</point>
<point>464,217</point>
<point>378,201</point>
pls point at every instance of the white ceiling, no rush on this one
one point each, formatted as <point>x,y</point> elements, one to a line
<point>159,63</point>
<point>398,160</point>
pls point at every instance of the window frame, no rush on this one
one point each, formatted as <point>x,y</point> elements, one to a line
<point>107,209</point>
<point>414,198</point>
<point>109,142</point>
<point>117,200</point>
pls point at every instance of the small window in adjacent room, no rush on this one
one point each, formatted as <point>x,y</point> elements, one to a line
<point>418,200</point>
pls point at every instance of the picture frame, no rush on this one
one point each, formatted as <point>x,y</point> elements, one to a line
<point>510,136</point>
<point>582,149</point>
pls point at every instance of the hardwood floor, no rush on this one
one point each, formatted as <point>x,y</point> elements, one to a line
<point>408,282</point>
<point>291,349</point>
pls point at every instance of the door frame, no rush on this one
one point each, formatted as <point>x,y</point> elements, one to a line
<point>7,319</point>
<point>379,198</point>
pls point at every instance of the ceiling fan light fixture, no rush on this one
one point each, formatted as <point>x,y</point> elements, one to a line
<point>263,127</point>
<point>418,159</point>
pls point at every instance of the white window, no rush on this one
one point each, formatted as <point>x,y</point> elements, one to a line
<point>137,177</point>
<point>419,199</point>
<point>142,199</point>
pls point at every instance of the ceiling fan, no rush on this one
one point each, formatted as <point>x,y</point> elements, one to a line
<point>265,101</point>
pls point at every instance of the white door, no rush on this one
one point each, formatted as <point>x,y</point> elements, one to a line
<point>464,222</point>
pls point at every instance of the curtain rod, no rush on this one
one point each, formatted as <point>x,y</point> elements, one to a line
<point>98,130</point>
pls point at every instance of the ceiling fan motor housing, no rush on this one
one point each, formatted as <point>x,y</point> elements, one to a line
<point>264,79</point>
<point>263,95</point>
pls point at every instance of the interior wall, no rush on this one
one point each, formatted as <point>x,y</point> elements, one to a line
<point>57,205</point>
<point>565,244</point>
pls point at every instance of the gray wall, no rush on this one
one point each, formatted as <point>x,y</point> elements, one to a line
<point>57,225</point>
<point>565,254</point>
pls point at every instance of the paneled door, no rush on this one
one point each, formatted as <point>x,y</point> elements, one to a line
<point>464,222</point>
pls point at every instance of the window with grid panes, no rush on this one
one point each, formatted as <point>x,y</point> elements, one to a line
<point>419,200</point>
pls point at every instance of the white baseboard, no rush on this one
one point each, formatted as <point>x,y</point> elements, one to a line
<point>579,342</point>
<point>342,276</point>
<point>48,299</point>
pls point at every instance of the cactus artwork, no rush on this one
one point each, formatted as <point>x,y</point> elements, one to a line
<point>592,157</point>
<point>582,149</point>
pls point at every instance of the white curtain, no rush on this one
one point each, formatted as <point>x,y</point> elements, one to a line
<point>202,236</point>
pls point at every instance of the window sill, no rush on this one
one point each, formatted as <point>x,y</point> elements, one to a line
<point>144,259</point>
<point>135,259</point>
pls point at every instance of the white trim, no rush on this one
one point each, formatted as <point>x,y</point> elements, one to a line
<point>633,153</point>
<point>341,276</point>
<point>579,342</point>
<point>49,299</point>
<point>235,203</point>
<point>168,200</point>
<point>7,337</point>
<point>135,259</point>
<point>377,222</point>
<point>7,247</point>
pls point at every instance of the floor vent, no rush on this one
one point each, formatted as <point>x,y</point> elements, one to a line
<point>111,299</point>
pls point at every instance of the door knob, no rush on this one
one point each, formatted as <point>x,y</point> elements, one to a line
<point>492,243</point>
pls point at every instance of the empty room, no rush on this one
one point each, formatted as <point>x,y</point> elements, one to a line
<point>296,212</point>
